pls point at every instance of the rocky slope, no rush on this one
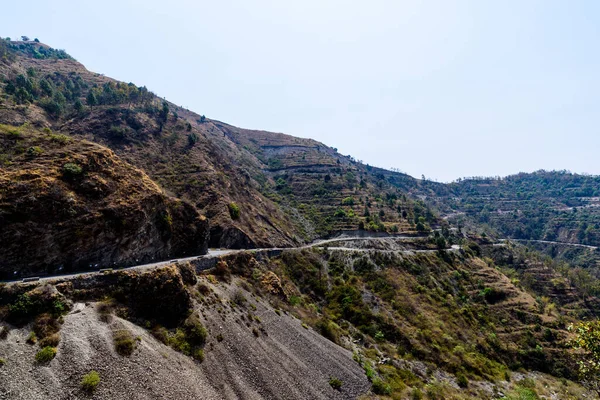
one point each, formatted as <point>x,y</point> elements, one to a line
<point>382,324</point>
<point>68,204</point>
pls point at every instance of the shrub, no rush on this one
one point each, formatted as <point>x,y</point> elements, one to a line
<point>416,394</point>
<point>32,338</point>
<point>238,298</point>
<point>295,300</point>
<point>335,383</point>
<point>348,201</point>
<point>2,361</point>
<point>195,332</point>
<point>329,329</point>
<point>204,289</point>
<point>50,341</point>
<point>192,138</point>
<point>72,170</point>
<point>60,138</point>
<point>462,380</point>
<point>104,310</point>
<point>124,342</point>
<point>222,271</point>
<point>34,151</point>
<point>90,381</point>
<point>234,210</point>
<point>45,325</point>
<point>381,388</point>
<point>35,302</point>
<point>46,354</point>
<point>198,355</point>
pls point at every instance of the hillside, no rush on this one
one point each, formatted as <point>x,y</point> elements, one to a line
<point>257,188</point>
<point>305,324</point>
<point>544,205</point>
<point>68,204</point>
<point>95,173</point>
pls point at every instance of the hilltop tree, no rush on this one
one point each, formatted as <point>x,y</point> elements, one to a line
<point>25,38</point>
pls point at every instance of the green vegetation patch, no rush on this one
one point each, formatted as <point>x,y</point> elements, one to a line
<point>90,381</point>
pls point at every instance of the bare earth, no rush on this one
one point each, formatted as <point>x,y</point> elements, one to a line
<point>286,361</point>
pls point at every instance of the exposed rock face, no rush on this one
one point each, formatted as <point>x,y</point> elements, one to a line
<point>68,204</point>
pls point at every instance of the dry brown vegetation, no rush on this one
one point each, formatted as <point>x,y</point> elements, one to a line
<point>57,192</point>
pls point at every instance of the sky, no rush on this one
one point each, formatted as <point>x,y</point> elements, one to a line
<point>444,89</point>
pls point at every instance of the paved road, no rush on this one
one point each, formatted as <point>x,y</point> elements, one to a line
<point>221,252</point>
<point>453,249</point>
<point>550,242</point>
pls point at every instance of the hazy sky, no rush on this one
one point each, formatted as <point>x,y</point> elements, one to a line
<point>441,88</point>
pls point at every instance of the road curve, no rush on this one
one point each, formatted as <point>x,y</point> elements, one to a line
<point>221,252</point>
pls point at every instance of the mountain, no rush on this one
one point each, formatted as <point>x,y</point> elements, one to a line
<point>96,172</point>
<point>257,188</point>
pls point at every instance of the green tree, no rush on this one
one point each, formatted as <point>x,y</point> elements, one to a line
<point>234,210</point>
<point>164,112</point>
<point>78,106</point>
<point>587,339</point>
<point>46,87</point>
<point>91,99</point>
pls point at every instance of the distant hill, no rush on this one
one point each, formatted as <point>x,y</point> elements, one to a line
<point>544,205</point>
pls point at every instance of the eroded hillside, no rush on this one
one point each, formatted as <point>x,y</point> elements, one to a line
<point>68,204</point>
<point>311,323</point>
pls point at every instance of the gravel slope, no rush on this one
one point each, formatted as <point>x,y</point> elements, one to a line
<point>285,361</point>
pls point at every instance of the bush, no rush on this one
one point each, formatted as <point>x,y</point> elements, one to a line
<point>71,170</point>
<point>234,210</point>
<point>32,338</point>
<point>462,380</point>
<point>416,394</point>
<point>60,138</point>
<point>124,342</point>
<point>2,361</point>
<point>381,388</point>
<point>238,298</point>
<point>329,329</point>
<point>90,381</point>
<point>46,354</point>
<point>50,341</point>
<point>348,201</point>
<point>199,355</point>
<point>34,151</point>
<point>195,332</point>
<point>104,310</point>
<point>222,271</point>
<point>46,325</point>
<point>335,383</point>
<point>192,138</point>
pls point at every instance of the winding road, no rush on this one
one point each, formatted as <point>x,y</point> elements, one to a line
<point>212,253</point>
